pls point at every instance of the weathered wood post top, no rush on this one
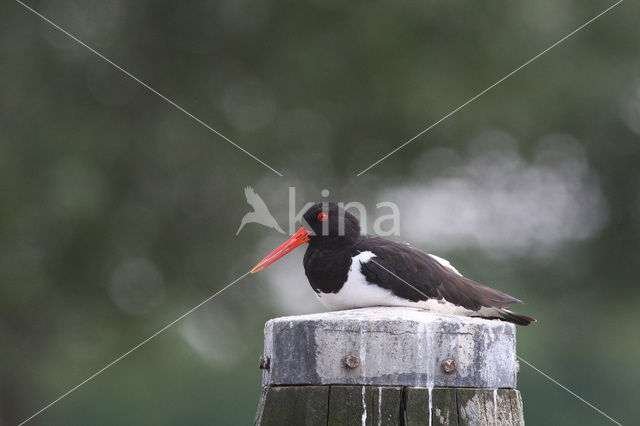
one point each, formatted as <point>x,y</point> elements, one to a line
<point>392,351</point>
<point>391,346</point>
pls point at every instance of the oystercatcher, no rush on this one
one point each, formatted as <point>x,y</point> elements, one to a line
<point>348,269</point>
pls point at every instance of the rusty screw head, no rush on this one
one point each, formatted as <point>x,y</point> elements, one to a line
<point>352,361</point>
<point>449,366</point>
<point>264,362</point>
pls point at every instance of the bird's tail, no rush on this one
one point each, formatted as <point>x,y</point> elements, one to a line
<point>514,317</point>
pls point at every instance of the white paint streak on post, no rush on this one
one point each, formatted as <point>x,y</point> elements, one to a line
<point>363,355</point>
<point>364,408</point>
<point>430,390</point>
<point>379,406</point>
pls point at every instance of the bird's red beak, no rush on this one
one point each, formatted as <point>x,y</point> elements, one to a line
<point>300,237</point>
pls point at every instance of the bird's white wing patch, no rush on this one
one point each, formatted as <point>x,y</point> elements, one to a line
<point>357,292</point>
<point>445,263</point>
<point>363,257</point>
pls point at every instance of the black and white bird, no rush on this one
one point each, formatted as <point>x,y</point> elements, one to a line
<point>348,270</point>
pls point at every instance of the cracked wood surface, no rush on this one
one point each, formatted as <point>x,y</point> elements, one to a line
<point>388,406</point>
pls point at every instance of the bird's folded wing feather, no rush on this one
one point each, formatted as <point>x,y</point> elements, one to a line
<point>415,275</point>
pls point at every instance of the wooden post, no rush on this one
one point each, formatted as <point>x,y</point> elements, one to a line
<point>388,366</point>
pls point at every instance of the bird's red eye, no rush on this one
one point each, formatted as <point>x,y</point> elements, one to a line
<point>322,217</point>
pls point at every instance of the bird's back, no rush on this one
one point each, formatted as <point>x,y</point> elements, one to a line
<point>418,277</point>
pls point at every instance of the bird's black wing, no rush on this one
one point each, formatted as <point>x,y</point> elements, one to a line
<point>414,275</point>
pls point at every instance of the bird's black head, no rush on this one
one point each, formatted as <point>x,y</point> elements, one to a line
<point>326,223</point>
<point>330,221</point>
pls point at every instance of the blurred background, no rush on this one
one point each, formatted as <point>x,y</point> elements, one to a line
<point>118,212</point>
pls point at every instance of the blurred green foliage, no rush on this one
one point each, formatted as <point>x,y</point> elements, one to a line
<point>103,183</point>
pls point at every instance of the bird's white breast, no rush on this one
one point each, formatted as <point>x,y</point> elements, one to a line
<point>357,292</point>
